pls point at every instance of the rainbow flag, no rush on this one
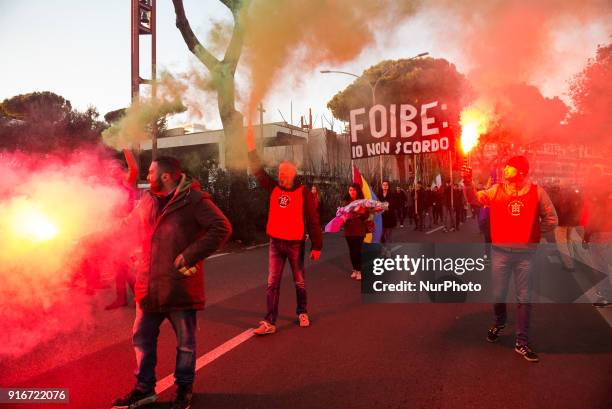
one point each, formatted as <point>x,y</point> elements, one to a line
<point>368,193</point>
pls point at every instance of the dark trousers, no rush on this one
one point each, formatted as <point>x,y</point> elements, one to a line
<point>420,220</point>
<point>124,278</point>
<point>400,214</point>
<point>145,333</point>
<point>437,213</point>
<point>281,251</point>
<point>411,215</point>
<point>459,211</point>
<point>354,245</point>
<point>520,265</point>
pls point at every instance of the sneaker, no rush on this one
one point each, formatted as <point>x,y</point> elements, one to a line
<point>493,333</point>
<point>264,328</point>
<point>135,399</point>
<point>358,276</point>
<point>526,352</point>
<point>354,274</point>
<point>182,400</point>
<point>303,319</point>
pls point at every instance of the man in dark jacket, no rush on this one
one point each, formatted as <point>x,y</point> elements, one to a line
<point>179,227</point>
<point>449,211</point>
<point>458,204</point>
<point>419,207</point>
<point>402,204</point>
<point>568,203</point>
<point>436,205</point>
<point>292,211</point>
<point>388,217</point>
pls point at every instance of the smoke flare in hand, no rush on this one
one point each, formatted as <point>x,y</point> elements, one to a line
<point>474,122</point>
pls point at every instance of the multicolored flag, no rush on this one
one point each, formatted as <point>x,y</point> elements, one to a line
<point>368,193</point>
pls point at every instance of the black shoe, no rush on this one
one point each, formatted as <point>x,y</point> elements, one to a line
<point>135,399</point>
<point>183,397</point>
<point>494,331</point>
<point>526,352</point>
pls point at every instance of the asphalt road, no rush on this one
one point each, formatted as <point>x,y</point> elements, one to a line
<point>354,355</point>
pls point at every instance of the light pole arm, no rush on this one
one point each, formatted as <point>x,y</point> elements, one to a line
<point>340,72</point>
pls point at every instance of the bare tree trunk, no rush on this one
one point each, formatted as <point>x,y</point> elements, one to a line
<point>223,78</point>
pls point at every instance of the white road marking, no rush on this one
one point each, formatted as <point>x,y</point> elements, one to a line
<point>256,246</point>
<point>218,255</point>
<point>435,230</point>
<point>208,357</point>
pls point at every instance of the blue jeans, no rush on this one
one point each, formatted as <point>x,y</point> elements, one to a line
<point>279,252</point>
<point>145,333</point>
<point>520,264</point>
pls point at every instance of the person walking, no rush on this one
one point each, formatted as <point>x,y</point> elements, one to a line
<point>598,232</point>
<point>568,202</point>
<point>292,212</point>
<point>388,217</point>
<point>355,229</point>
<point>436,205</point>
<point>419,207</point>
<point>520,212</point>
<point>449,212</point>
<point>179,227</point>
<point>402,203</point>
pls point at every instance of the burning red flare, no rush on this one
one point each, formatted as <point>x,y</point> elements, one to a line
<point>474,122</point>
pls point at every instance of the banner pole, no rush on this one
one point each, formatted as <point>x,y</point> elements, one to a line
<point>450,161</point>
<point>414,184</point>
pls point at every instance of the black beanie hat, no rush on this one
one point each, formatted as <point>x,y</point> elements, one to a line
<point>520,163</point>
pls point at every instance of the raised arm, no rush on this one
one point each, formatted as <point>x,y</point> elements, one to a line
<point>264,180</point>
<point>131,176</point>
<point>481,198</point>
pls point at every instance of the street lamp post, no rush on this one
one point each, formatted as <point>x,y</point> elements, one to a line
<point>373,89</point>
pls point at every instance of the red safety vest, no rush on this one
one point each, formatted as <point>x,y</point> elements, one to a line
<point>514,219</point>
<point>286,214</point>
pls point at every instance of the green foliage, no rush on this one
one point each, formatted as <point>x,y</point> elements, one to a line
<point>239,197</point>
<point>524,116</point>
<point>246,204</point>
<point>591,93</point>
<point>44,122</point>
<point>406,81</point>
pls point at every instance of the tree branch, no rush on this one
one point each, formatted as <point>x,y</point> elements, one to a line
<point>190,38</point>
<point>232,5</point>
<point>234,49</point>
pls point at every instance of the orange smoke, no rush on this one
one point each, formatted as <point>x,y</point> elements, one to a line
<point>296,36</point>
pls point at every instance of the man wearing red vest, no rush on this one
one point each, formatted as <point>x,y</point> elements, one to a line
<point>520,212</point>
<point>292,211</point>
